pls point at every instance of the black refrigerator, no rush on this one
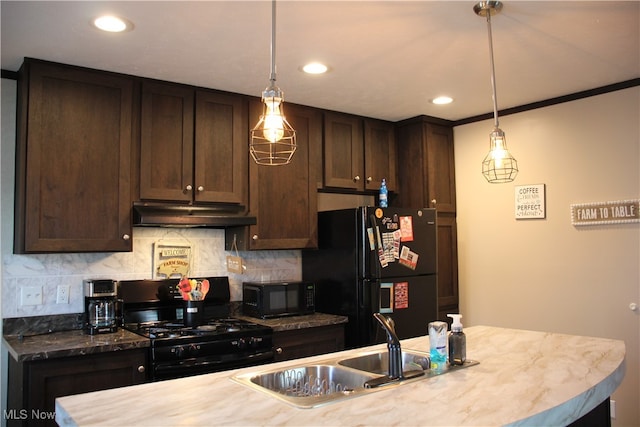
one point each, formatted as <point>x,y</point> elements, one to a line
<point>370,260</point>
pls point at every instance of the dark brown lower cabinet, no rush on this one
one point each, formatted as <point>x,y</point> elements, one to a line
<point>34,385</point>
<point>600,416</point>
<point>299,343</point>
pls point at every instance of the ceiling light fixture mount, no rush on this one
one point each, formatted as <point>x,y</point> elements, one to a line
<point>499,165</point>
<point>273,139</point>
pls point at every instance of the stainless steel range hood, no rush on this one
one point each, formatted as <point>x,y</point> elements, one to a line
<point>183,216</point>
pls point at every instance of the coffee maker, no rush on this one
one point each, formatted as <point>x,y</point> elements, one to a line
<point>100,301</point>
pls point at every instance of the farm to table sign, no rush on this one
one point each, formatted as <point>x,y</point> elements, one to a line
<point>614,212</point>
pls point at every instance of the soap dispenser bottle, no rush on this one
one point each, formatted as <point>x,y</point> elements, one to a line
<point>457,342</point>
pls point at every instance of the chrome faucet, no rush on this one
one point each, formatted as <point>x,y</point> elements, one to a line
<point>393,344</point>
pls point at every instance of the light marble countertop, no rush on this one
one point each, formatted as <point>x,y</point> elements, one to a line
<point>524,378</point>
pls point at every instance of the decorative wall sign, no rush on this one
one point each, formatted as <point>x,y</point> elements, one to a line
<point>530,201</point>
<point>613,212</point>
<point>171,259</point>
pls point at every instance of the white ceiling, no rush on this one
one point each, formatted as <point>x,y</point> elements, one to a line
<point>387,58</point>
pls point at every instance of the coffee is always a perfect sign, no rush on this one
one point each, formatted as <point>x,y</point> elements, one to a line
<point>612,212</point>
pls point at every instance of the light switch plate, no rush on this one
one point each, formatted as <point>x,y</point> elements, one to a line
<point>31,295</point>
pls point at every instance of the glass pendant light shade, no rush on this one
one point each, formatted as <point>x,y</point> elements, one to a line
<point>273,139</point>
<point>499,165</point>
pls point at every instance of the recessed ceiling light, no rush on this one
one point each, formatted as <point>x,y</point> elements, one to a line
<point>315,68</point>
<point>112,24</point>
<point>442,100</point>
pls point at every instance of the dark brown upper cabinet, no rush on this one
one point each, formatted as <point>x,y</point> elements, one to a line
<point>284,197</point>
<point>73,151</point>
<point>343,151</point>
<point>427,172</point>
<point>193,145</point>
<point>380,154</point>
<point>358,153</point>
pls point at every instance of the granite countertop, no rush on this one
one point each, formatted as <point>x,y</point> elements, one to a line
<point>70,343</point>
<point>524,378</point>
<point>50,345</point>
<point>297,322</point>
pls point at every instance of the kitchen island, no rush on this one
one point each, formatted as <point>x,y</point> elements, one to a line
<point>524,378</point>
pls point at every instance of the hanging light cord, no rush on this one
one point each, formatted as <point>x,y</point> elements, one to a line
<point>272,78</point>
<point>493,71</point>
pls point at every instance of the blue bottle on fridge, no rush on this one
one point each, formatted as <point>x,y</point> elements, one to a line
<point>383,197</point>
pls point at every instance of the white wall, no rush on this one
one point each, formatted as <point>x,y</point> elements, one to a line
<point>546,274</point>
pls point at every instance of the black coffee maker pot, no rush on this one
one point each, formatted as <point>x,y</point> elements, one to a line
<point>100,303</point>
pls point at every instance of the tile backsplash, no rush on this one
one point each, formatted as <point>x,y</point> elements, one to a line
<point>208,259</point>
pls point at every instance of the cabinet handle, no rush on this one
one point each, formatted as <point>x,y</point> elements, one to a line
<point>141,369</point>
<point>279,350</point>
<point>201,188</point>
<point>189,187</point>
<point>433,202</point>
<point>254,237</point>
<point>125,237</point>
<point>369,179</point>
<point>356,178</point>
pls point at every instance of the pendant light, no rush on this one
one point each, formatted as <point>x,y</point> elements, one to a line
<point>273,140</point>
<point>499,165</point>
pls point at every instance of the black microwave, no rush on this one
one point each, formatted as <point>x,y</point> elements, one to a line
<point>276,299</point>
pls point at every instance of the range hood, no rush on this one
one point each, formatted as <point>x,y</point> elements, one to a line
<point>184,216</point>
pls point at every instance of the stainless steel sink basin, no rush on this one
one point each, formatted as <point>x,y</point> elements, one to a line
<point>378,362</point>
<point>308,386</point>
<point>412,360</point>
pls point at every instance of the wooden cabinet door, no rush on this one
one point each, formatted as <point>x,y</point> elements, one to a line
<point>441,181</point>
<point>447,265</point>
<point>426,171</point>
<point>379,154</point>
<point>343,151</point>
<point>166,143</point>
<point>221,149</point>
<point>283,197</point>
<point>294,344</point>
<point>73,174</point>
<point>35,385</point>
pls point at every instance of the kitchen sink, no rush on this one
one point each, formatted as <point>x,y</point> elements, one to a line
<point>378,362</point>
<point>308,386</point>
<point>412,360</point>
<point>328,381</point>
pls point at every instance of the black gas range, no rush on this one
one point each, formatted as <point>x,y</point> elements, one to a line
<point>154,309</point>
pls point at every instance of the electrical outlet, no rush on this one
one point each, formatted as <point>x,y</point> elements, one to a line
<point>31,295</point>
<point>62,296</point>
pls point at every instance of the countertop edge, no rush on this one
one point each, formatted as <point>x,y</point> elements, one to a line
<point>578,406</point>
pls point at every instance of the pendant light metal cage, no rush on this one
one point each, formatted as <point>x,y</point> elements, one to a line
<point>273,139</point>
<point>267,148</point>
<point>499,165</point>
